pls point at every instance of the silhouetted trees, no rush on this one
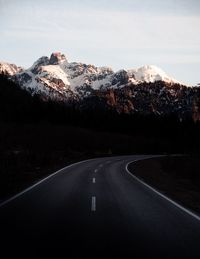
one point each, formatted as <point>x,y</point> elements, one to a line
<point>18,106</point>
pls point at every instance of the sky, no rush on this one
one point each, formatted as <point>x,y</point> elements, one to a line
<point>116,33</point>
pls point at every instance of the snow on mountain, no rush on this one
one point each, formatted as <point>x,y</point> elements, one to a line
<point>57,74</point>
<point>144,90</point>
<point>55,77</point>
<point>9,69</point>
<point>150,74</point>
<point>81,75</point>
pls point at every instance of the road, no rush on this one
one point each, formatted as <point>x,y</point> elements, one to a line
<point>95,209</point>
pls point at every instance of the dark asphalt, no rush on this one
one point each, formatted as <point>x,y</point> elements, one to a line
<point>55,218</point>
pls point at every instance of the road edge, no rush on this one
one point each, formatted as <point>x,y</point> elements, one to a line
<point>41,181</point>
<point>189,212</point>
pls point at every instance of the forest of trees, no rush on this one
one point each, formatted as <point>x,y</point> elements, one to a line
<point>19,107</point>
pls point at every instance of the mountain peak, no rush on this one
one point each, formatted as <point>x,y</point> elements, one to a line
<point>150,74</point>
<point>57,58</point>
<point>43,61</point>
<point>151,69</point>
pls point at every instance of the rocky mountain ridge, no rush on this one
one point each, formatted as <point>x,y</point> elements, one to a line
<point>146,90</point>
<point>55,77</point>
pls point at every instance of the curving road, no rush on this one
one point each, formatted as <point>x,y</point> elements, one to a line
<point>95,209</point>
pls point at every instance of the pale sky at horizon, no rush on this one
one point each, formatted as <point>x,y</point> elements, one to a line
<point>120,34</point>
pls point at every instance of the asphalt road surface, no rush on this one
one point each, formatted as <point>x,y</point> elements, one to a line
<point>95,209</point>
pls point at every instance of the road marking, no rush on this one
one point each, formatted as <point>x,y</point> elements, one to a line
<point>159,193</point>
<point>94,180</point>
<point>93,206</point>
<point>41,181</point>
<point>100,165</point>
<point>96,170</point>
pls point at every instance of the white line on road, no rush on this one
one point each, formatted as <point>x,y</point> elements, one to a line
<point>96,170</point>
<point>93,207</point>
<point>159,193</point>
<point>100,165</point>
<point>41,181</point>
<point>93,180</point>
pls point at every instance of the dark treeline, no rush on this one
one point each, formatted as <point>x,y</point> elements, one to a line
<point>18,106</point>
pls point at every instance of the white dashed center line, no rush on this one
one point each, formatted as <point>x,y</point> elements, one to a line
<point>96,170</point>
<point>93,206</point>
<point>93,180</point>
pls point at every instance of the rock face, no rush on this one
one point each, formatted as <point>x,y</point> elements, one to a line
<point>157,98</point>
<point>9,69</point>
<point>146,90</point>
<point>57,58</point>
<point>43,61</point>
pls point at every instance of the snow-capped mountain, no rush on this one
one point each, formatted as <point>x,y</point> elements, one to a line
<point>144,90</point>
<point>56,77</point>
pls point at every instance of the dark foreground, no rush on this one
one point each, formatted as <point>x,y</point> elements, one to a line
<point>95,209</point>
